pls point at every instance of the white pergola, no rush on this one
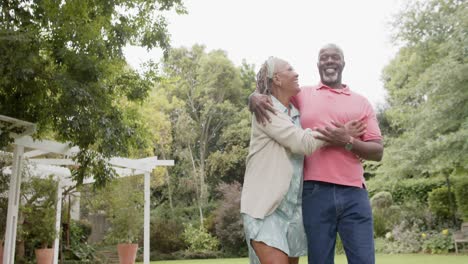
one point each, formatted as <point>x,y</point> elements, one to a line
<point>123,166</point>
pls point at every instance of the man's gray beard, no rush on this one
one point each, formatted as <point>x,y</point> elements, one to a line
<point>330,79</point>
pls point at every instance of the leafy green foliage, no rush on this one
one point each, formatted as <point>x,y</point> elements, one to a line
<point>62,67</point>
<point>209,90</point>
<point>438,242</point>
<point>385,214</point>
<point>427,94</point>
<point>227,164</point>
<point>229,228</point>
<point>167,237</point>
<point>122,201</point>
<point>439,202</point>
<point>461,195</point>
<point>408,189</point>
<point>404,238</point>
<point>199,239</point>
<point>38,212</point>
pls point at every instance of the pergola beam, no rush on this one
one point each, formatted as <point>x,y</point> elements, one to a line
<point>123,166</point>
<point>44,145</point>
<point>13,206</point>
<point>34,153</point>
<point>29,128</point>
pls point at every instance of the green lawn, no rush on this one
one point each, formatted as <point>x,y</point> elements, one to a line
<point>341,259</point>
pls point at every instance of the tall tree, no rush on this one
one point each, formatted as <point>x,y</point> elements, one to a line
<point>211,87</point>
<point>62,67</point>
<point>427,86</point>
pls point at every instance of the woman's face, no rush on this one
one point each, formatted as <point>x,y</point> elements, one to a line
<point>287,78</point>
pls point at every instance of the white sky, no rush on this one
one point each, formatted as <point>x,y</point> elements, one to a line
<point>293,30</point>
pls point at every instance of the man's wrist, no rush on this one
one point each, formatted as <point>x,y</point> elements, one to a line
<point>349,145</point>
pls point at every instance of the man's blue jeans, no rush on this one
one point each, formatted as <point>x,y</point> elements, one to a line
<point>330,208</point>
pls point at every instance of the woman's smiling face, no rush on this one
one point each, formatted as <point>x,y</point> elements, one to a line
<point>287,77</point>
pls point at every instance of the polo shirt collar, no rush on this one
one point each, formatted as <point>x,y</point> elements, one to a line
<point>345,90</point>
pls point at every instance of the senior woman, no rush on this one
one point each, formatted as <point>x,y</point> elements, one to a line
<point>271,195</point>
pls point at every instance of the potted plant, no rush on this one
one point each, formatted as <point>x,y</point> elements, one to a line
<point>38,212</point>
<point>122,200</point>
<point>126,217</point>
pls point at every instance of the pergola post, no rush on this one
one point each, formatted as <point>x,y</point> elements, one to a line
<point>13,206</point>
<point>146,233</point>
<point>58,217</point>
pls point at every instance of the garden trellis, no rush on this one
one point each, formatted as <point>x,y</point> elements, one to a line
<point>35,149</point>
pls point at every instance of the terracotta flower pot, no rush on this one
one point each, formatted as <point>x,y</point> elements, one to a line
<point>127,253</point>
<point>44,255</point>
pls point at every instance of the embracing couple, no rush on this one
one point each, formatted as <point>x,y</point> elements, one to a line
<point>294,205</point>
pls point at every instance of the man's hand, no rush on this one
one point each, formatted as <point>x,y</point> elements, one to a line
<point>341,134</point>
<point>260,105</point>
<point>354,128</point>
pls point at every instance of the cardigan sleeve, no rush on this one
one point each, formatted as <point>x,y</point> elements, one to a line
<point>283,131</point>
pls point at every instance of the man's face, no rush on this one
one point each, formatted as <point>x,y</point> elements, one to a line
<point>330,66</point>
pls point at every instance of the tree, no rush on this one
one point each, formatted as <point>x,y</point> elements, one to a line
<point>427,92</point>
<point>62,67</point>
<point>229,228</point>
<point>210,87</point>
<point>157,111</point>
<point>227,164</point>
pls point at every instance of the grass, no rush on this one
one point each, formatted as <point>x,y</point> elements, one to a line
<point>341,259</point>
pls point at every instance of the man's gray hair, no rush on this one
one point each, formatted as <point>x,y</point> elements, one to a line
<point>332,46</point>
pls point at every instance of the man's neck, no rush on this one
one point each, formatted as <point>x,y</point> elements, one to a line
<point>335,85</point>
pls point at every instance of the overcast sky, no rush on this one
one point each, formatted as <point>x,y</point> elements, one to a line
<point>293,30</point>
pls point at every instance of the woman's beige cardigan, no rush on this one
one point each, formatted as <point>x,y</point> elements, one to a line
<point>269,169</point>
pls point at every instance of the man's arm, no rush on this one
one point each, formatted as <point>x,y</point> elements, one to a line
<point>262,106</point>
<point>369,150</point>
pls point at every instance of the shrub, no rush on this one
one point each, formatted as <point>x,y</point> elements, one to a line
<point>461,195</point>
<point>79,231</point>
<point>407,189</point>
<point>199,239</point>
<point>123,201</point>
<point>382,200</point>
<point>385,214</point>
<point>167,235</point>
<point>228,221</point>
<point>403,239</point>
<point>83,252</point>
<point>38,210</point>
<point>188,254</point>
<point>437,242</point>
<point>80,251</point>
<point>415,213</point>
<point>439,202</point>
<point>380,245</point>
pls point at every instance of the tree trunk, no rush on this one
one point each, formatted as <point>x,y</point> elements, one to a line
<point>451,202</point>
<point>198,191</point>
<point>169,186</point>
